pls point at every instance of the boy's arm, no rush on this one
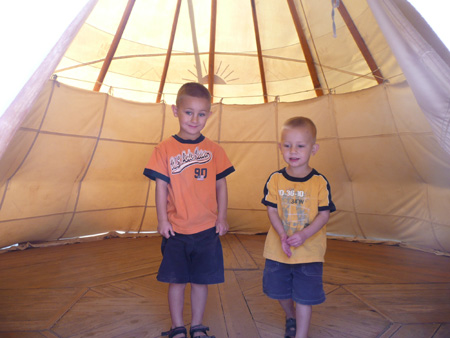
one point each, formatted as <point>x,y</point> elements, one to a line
<point>278,226</point>
<point>164,226</point>
<point>222,205</point>
<point>301,236</point>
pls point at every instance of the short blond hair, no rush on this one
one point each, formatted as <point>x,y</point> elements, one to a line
<point>301,122</point>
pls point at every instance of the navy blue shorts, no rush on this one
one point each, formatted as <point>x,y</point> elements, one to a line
<point>196,258</point>
<point>300,282</point>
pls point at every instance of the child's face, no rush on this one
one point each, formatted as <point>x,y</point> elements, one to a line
<point>192,113</point>
<point>297,145</point>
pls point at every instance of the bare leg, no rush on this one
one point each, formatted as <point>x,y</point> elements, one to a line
<point>303,319</point>
<point>199,295</point>
<point>176,303</point>
<point>288,307</point>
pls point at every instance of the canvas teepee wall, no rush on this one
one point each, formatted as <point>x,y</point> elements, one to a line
<point>72,164</point>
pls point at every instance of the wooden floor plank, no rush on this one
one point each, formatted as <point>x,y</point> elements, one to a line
<point>81,265</point>
<point>214,317</point>
<point>416,331</point>
<point>390,330</point>
<point>408,303</point>
<point>243,258</point>
<point>110,316</point>
<point>443,331</point>
<point>33,309</point>
<point>237,315</point>
<point>229,259</point>
<point>23,334</point>
<point>383,264</point>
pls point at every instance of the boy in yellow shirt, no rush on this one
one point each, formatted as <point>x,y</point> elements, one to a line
<point>298,201</point>
<point>191,204</point>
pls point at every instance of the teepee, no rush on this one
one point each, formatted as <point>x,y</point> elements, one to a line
<point>371,74</point>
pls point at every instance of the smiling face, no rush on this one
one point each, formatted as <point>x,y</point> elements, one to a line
<point>192,113</point>
<point>297,145</point>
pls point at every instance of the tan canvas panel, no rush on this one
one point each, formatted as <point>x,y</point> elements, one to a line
<point>16,152</point>
<point>83,116</point>
<point>132,121</point>
<point>254,162</point>
<point>150,221</point>
<point>345,224</point>
<point>39,109</point>
<point>256,123</point>
<point>114,178</point>
<point>318,110</point>
<point>407,114</point>
<point>35,229</point>
<point>363,114</point>
<point>46,182</point>
<point>413,231</point>
<point>248,221</point>
<point>100,221</point>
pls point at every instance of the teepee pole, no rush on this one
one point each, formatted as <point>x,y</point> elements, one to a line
<point>212,48</point>
<point>198,65</point>
<point>114,45</point>
<point>169,52</point>
<point>306,50</point>
<point>360,43</point>
<point>258,46</point>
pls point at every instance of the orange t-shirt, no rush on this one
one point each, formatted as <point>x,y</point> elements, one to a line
<point>191,167</point>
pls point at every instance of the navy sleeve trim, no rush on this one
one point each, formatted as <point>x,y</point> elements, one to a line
<point>153,175</point>
<point>269,204</point>
<point>225,173</point>
<point>330,207</point>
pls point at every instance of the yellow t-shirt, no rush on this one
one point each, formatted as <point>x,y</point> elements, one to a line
<point>191,167</point>
<point>298,201</point>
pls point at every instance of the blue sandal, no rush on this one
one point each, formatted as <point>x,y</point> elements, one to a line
<point>176,330</point>
<point>200,328</point>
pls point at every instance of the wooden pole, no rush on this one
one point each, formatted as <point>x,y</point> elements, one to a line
<point>306,50</point>
<point>114,45</point>
<point>212,47</point>
<point>360,43</point>
<point>258,46</point>
<point>169,52</point>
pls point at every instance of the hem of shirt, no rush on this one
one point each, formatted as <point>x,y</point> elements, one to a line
<point>277,259</point>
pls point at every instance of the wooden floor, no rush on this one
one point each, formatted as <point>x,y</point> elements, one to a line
<point>108,289</point>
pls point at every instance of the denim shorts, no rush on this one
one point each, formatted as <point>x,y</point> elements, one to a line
<point>300,282</point>
<point>196,258</point>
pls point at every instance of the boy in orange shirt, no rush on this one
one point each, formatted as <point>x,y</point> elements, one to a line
<point>191,203</point>
<point>298,201</point>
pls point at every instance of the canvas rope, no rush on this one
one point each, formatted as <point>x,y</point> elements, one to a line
<point>334,4</point>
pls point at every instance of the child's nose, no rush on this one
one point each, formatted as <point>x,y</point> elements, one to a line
<point>194,118</point>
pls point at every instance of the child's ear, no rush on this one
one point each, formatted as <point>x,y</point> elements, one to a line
<point>315,148</point>
<point>175,110</point>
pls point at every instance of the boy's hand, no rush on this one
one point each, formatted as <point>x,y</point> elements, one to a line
<point>165,229</point>
<point>297,239</point>
<point>285,246</point>
<point>221,227</point>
